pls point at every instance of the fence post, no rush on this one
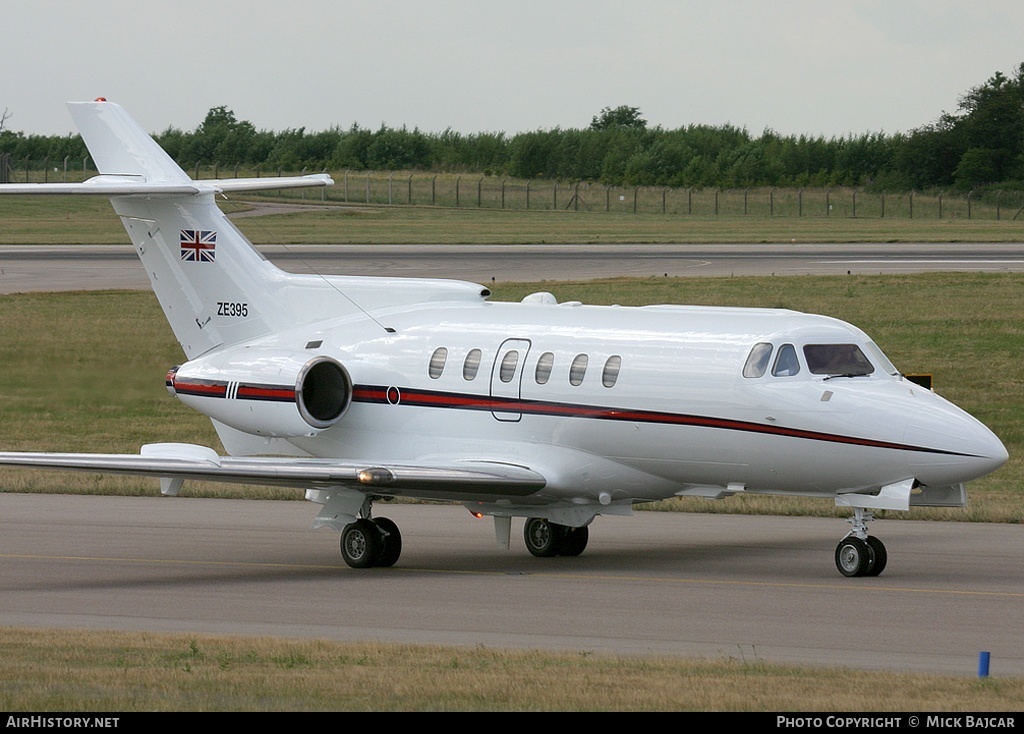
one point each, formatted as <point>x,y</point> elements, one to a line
<point>528,194</point>
<point>433,190</point>
<point>479,192</point>
<point>503,192</point>
<point>855,203</point>
<point>940,204</point>
<point>409,198</point>
<point>911,201</point>
<point>828,203</point>
<point>636,191</point>
<point>391,178</point>
<point>771,202</point>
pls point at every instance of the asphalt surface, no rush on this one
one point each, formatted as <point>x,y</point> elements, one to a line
<point>45,268</point>
<point>713,586</point>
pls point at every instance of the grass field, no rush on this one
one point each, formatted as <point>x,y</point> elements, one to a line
<point>89,220</point>
<point>80,671</point>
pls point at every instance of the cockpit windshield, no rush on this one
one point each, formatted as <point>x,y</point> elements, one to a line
<point>837,359</point>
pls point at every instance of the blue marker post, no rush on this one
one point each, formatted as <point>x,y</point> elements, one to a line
<point>983,657</point>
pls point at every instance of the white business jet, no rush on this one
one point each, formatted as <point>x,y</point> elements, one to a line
<point>357,389</point>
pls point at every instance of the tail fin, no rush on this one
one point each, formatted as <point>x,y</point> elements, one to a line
<point>119,146</point>
<point>213,286</point>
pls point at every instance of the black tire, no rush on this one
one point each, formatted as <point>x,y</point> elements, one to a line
<point>543,538</point>
<point>391,539</point>
<point>853,557</point>
<point>879,556</point>
<point>361,544</point>
<point>574,540</point>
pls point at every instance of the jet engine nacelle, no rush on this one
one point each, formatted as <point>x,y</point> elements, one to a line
<point>265,392</point>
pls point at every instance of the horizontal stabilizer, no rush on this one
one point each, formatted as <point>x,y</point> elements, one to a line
<point>136,186</point>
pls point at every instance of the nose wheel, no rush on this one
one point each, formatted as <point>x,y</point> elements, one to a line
<point>860,554</point>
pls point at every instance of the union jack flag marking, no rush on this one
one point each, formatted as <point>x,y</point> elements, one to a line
<point>198,245</point>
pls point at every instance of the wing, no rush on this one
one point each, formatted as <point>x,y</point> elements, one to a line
<point>174,463</point>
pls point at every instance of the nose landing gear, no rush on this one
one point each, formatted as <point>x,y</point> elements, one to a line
<point>860,554</point>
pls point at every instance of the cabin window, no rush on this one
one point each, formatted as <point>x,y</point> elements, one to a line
<point>786,362</point>
<point>611,371</point>
<point>578,369</point>
<point>508,366</point>
<point>472,364</point>
<point>757,360</point>
<point>437,360</point>
<point>544,365</point>
<point>837,359</point>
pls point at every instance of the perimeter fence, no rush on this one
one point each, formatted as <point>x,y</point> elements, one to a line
<point>417,188</point>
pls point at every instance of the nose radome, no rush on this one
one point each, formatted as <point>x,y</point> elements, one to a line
<point>963,441</point>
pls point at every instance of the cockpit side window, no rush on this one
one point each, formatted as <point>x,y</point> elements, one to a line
<point>837,359</point>
<point>786,363</point>
<point>878,357</point>
<point>757,360</point>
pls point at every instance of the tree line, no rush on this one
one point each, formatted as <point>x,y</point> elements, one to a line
<point>980,144</point>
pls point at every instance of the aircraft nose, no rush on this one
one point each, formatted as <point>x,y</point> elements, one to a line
<point>963,448</point>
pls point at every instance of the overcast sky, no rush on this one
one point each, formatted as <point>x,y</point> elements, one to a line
<point>811,67</point>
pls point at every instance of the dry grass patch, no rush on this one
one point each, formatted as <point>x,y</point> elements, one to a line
<point>62,670</point>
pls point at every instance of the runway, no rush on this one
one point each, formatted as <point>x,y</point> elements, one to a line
<point>711,586</point>
<point>54,268</point>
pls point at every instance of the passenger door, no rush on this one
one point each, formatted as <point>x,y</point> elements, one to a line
<point>507,378</point>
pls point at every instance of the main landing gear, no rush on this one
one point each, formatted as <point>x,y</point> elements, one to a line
<point>860,554</point>
<point>545,539</point>
<point>367,543</point>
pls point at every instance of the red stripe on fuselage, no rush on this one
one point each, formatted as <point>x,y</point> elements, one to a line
<point>465,401</point>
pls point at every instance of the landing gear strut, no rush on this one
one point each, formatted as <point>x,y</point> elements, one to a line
<point>545,539</point>
<point>368,543</point>
<point>860,554</point>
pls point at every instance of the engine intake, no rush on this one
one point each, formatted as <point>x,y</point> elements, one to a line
<point>265,392</point>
